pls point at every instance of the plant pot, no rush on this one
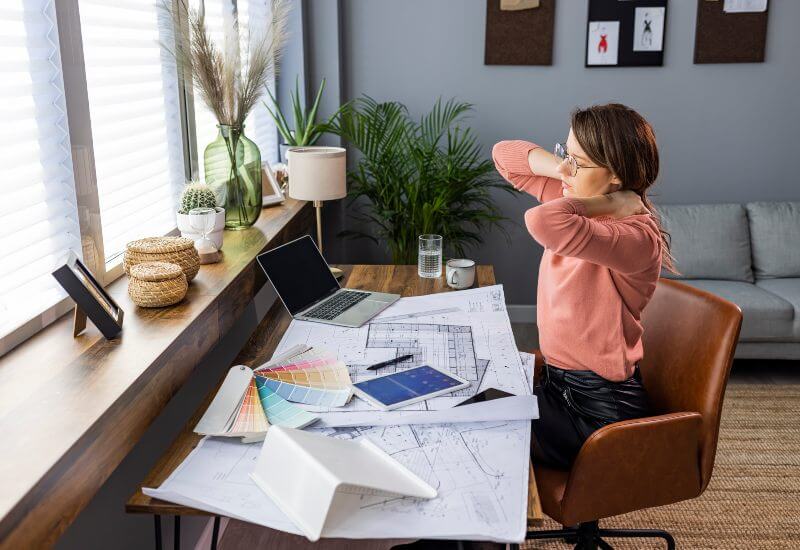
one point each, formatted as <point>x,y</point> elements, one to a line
<point>216,234</point>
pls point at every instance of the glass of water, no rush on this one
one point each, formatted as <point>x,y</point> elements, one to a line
<point>429,261</point>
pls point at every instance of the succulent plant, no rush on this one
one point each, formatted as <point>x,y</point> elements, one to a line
<point>197,195</point>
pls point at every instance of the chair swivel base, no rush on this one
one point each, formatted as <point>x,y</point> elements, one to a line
<point>588,536</point>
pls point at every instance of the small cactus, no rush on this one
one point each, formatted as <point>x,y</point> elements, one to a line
<point>197,195</point>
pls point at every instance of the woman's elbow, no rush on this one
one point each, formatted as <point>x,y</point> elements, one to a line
<point>498,154</point>
<point>536,222</point>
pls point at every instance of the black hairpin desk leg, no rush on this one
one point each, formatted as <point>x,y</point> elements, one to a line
<point>157,522</point>
<point>177,533</point>
<point>215,534</point>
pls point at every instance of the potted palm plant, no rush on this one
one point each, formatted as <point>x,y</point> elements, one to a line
<point>306,128</point>
<point>417,177</point>
<point>230,80</point>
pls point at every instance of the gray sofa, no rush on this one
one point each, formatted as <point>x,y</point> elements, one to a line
<point>748,254</point>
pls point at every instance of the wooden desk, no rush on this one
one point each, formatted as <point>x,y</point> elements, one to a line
<point>72,408</point>
<point>384,278</point>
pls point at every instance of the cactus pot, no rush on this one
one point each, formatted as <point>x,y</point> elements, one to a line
<point>216,234</point>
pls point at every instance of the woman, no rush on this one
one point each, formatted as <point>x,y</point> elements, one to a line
<point>603,255</point>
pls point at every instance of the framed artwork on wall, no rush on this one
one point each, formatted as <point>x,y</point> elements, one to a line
<point>625,33</point>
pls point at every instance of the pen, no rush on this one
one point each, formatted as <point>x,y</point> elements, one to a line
<point>390,362</point>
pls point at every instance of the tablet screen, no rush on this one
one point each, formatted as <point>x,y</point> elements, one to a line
<point>411,383</point>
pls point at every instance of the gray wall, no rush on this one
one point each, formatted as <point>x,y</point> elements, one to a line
<point>727,132</point>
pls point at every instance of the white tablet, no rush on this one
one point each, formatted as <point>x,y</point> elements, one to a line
<point>399,389</point>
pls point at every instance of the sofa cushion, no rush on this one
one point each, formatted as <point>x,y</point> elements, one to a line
<point>789,290</point>
<point>765,316</point>
<point>775,235</point>
<point>709,241</point>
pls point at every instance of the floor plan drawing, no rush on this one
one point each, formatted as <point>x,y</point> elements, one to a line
<point>467,333</point>
<point>480,471</point>
<point>449,347</point>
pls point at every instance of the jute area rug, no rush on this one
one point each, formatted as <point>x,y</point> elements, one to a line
<point>753,499</point>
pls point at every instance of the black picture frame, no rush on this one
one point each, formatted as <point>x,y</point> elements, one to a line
<point>624,13</point>
<point>91,299</point>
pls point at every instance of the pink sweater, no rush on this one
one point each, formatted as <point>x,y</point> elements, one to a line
<point>596,275</point>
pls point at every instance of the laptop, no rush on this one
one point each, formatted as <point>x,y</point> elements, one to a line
<point>310,292</point>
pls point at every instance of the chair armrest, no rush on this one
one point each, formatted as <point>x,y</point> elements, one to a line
<point>634,464</point>
<point>538,365</point>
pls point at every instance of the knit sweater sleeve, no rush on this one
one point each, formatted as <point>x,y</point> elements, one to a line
<point>511,160</point>
<point>626,245</point>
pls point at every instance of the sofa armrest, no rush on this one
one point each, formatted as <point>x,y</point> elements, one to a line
<point>634,464</point>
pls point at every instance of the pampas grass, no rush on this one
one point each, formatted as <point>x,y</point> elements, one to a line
<point>228,86</point>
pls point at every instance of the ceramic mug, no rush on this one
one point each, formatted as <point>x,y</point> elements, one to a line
<point>460,273</point>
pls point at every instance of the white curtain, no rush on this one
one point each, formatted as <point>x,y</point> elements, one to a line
<point>38,212</point>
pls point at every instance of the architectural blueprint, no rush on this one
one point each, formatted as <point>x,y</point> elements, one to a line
<point>479,469</point>
<point>467,333</point>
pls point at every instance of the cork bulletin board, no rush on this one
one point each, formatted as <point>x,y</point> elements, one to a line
<point>722,37</point>
<point>523,37</point>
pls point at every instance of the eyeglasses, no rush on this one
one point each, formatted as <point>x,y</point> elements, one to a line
<point>560,151</point>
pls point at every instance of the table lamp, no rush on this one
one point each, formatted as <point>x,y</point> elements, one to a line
<point>318,174</point>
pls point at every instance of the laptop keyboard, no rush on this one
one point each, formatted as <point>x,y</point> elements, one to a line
<point>333,307</point>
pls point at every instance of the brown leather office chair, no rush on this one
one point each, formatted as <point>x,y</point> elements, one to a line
<point>689,340</point>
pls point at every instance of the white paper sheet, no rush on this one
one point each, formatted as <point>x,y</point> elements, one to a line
<point>480,471</point>
<point>744,6</point>
<point>603,43</point>
<point>516,407</point>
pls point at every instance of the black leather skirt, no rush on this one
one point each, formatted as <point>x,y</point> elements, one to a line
<point>573,404</point>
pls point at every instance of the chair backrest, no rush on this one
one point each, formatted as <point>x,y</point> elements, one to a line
<point>689,339</point>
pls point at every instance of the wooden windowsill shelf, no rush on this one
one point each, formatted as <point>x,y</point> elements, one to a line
<point>72,409</point>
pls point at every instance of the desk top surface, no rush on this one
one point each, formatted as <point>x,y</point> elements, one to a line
<point>401,280</point>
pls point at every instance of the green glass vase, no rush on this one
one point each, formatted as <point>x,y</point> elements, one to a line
<point>233,170</point>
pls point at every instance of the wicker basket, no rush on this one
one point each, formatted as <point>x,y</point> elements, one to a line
<point>176,250</point>
<point>157,284</point>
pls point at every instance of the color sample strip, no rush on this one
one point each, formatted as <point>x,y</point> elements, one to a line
<point>251,418</point>
<point>309,359</point>
<point>279,411</point>
<point>333,377</point>
<point>306,364</point>
<point>304,394</point>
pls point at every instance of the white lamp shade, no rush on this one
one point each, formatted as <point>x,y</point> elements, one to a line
<point>317,173</point>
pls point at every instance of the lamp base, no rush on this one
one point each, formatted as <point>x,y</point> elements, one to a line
<point>336,272</point>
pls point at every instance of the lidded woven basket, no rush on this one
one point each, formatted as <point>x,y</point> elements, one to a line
<point>157,284</point>
<point>176,250</point>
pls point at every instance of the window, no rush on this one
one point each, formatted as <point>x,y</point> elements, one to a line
<point>38,211</point>
<point>134,108</point>
<point>93,165</point>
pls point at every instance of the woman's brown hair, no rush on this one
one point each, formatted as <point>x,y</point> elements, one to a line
<point>620,139</point>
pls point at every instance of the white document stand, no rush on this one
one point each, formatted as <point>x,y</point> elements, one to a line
<point>301,472</point>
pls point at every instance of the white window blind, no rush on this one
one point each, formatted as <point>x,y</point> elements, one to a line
<point>254,16</point>
<point>135,118</point>
<point>38,210</point>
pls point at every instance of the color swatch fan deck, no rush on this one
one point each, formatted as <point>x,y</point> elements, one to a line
<point>249,401</point>
<point>313,377</point>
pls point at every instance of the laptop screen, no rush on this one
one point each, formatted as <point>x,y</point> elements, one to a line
<point>299,273</point>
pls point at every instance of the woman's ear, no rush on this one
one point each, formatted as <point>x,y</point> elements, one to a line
<point>615,180</point>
